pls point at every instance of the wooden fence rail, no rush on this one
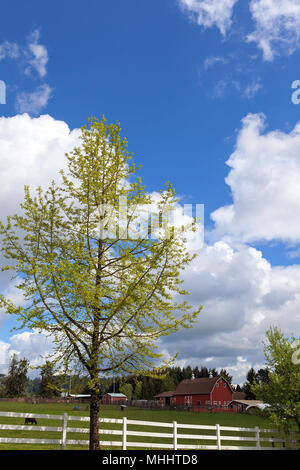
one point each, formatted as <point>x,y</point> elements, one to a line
<point>175,432</point>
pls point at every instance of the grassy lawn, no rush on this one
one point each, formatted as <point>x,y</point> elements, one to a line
<point>184,417</point>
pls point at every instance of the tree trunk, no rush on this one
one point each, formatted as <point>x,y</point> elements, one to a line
<point>94,423</point>
<point>94,373</point>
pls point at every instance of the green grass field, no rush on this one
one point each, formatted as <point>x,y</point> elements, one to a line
<point>224,419</point>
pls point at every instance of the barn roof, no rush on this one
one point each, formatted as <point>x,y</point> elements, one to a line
<point>204,386</point>
<point>260,406</point>
<point>165,394</point>
<point>239,396</point>
<point>116,395</point>
<point>247,402</point>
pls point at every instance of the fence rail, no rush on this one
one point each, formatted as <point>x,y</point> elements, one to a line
<point>265,439</point>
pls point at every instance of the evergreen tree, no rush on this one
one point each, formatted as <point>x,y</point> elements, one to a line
<point>262,376</point>
<point>14,384</point>
<point>247,387</point>
<point>203,372</point>
<point>213,372</point>
<point>49,382</point>
<point>226,375</point>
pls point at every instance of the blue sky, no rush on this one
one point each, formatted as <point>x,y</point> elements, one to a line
<point>181,76</point>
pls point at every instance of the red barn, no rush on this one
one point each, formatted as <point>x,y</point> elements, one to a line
<point>114,399</point>
<point>164,398</point>
<point>212,391</point>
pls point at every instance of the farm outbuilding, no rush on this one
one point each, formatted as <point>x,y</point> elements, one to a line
<point>82,398</point>
<point>164,398</point>
<point>114,399</point>
<point>243,405</point>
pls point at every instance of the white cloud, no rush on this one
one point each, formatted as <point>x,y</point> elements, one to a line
<point>35,101</point>
<point>243,295</point>
<point>9,50</point>
<point>32,59</point>
<point>264,180</point>
<point>209,13</point>
<point>34,346</point>
<point>37,55</point>
<point>31,153</point>
<point>252,89</point>
<point>277,26</point>
<point>34,55</point>
<point>211,61</point>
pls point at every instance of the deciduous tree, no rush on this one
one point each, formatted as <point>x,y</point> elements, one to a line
<point>282,389</point>
<point>97,274</point>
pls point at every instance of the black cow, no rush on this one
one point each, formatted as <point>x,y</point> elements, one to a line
<point>30,421</point>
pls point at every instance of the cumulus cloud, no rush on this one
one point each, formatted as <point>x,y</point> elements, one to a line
<point>33,345</point>
<point>31,153</point>
<point>209,13</point>
<point>264,181</point>
<point>243,295</point>
<point>277,26</point>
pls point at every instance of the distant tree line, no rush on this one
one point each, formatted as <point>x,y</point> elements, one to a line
<point>139,387</point>
<point>51,384</point>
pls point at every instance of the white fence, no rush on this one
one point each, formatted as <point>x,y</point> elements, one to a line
<point>176,433</point>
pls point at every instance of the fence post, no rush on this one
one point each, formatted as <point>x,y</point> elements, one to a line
<point>64,431</point>
<point>218,436</point>
<point>175,435</point>
<point>257,438</point>
<point>124,444</point>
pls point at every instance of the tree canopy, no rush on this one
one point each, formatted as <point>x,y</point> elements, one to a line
<point>282,389</point>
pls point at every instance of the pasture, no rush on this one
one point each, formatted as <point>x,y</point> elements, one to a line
<point>110,411</point>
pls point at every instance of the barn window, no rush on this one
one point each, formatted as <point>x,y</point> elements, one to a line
<point>217,385</point>
<point>199,402</point>
<point>224,385</point>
